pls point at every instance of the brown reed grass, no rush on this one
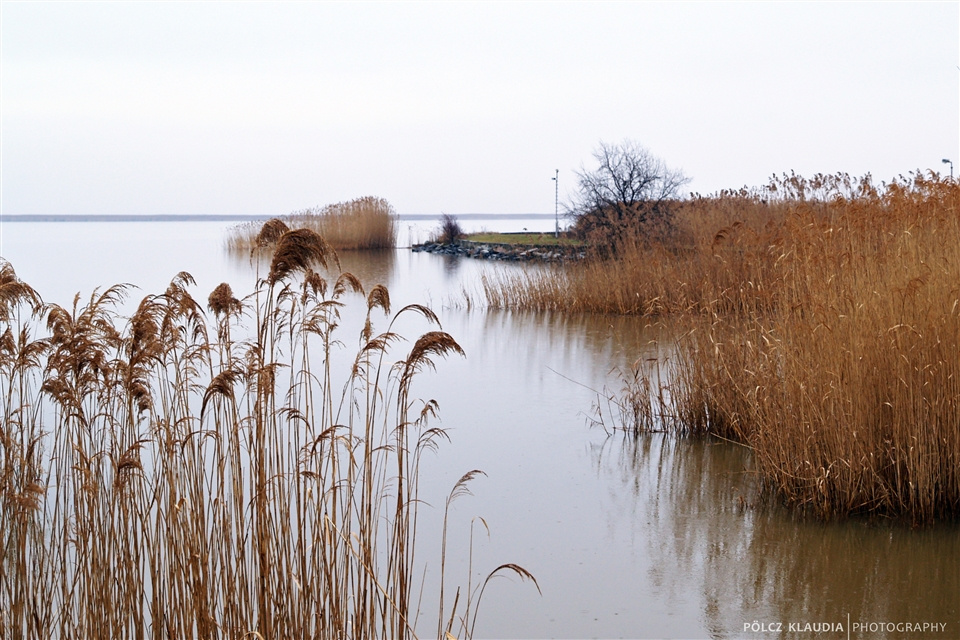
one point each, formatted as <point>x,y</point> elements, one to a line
<point>363,223</point>
<point>162,478</point>
<point>822,325</point>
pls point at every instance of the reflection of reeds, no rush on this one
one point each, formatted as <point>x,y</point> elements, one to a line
<point>756,560</point>
<point>158,480</point>
<point>823,322</point>
<point>364,223</point>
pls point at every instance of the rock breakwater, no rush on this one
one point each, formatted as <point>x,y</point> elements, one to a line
<point>510,252</point>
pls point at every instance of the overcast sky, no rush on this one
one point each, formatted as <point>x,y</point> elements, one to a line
<point>267,108</point>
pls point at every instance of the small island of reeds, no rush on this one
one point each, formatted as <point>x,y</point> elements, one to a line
<point>363,223</point>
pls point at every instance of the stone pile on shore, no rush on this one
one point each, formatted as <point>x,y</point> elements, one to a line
<point>510,252</point>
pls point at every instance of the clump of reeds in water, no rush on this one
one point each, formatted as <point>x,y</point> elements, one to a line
<point>363,223</point>
<point>845,376</point>
<point>822,328</point>
<point>187,475</point>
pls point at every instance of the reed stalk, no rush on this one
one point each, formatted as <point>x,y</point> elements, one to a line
<point>363,223</point>
<point>161,477</point>
<point>821,327</point>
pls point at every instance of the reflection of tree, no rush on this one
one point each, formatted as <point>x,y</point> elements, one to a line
<point>759,562</point>
<point>451,266</point>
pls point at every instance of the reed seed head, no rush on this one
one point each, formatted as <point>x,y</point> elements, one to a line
<point>298,251</point>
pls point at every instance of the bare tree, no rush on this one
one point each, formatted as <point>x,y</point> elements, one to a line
<point>450,229</point>
<point>628,196</point>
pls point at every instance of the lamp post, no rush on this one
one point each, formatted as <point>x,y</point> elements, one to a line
<point>556,203</point>
<point>950,162</point>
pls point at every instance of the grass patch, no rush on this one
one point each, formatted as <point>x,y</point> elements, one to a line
<point>524,239</point>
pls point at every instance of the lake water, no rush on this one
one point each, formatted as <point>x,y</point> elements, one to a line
<point>628,538</point>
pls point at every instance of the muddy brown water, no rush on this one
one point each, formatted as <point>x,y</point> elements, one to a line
<point>634,538</point>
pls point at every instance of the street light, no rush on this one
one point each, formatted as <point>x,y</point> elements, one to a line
<point>950,162</point>
<point>556,203</point>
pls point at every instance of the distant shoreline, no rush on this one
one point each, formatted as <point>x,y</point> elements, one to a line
<point>247,218</point>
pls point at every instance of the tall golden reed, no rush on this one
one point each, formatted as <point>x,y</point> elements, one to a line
<point>821,327</point>
<point>161,477</point>
<point>363,223</point>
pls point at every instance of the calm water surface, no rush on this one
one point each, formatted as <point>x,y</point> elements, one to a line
<point>654,537</point>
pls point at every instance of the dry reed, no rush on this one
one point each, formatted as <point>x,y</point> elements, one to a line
<point>364,223</point>
<point>161,478</point>
<point>823,330</point>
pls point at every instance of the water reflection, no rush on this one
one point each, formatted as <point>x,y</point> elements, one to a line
<point>701,524</point>
<point>601,343</point>
<point>451,266</point>
<point>371,267</point>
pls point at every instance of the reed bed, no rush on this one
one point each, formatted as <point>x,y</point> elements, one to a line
<point>363,223</point>
<point>822,329</point>
<point>179,474</point>
<point>720,243</point>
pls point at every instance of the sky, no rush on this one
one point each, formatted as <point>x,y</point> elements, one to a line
<point>265,108</point>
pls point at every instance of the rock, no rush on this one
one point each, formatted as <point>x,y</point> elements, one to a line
<point>514,253</point>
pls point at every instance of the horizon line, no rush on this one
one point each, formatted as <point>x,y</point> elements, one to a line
<point>204,217</point>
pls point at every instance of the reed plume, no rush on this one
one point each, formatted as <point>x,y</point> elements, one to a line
<point>821,326</point>
<point>271,231</point>
<point>159,478</point>
<point>363,223</point>
<point>298,251</point>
